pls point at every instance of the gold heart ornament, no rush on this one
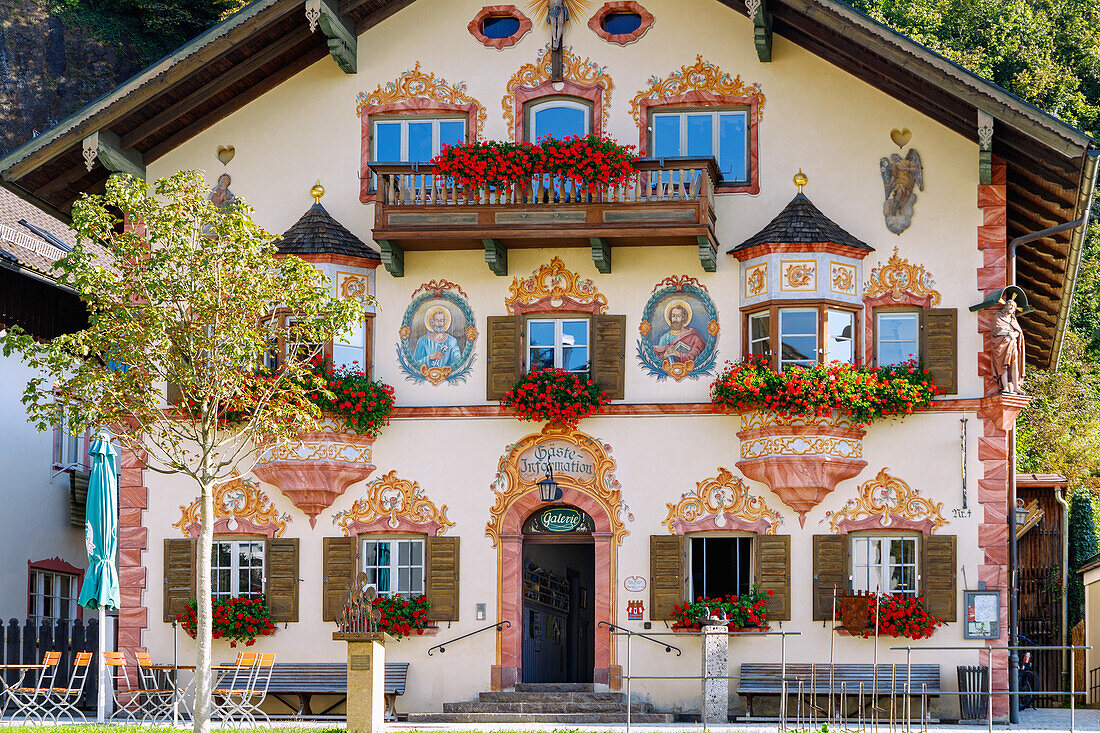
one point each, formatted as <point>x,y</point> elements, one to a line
<point>226,153</point>
<point>901,137</point>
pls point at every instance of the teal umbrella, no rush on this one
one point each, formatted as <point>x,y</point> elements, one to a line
<point>100,589</point>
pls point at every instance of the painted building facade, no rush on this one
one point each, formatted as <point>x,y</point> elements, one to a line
<point>445,500</point>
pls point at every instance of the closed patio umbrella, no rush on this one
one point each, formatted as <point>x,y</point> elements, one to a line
<point>100,589</point>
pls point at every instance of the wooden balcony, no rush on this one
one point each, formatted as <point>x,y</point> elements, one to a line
<point>671,202</point>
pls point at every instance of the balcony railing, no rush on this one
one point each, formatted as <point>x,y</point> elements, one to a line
<point>671,201</point>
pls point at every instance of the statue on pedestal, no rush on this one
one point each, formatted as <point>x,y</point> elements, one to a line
<point>1007,352</point>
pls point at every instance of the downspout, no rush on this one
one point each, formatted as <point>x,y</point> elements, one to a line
<point>1060,497</point>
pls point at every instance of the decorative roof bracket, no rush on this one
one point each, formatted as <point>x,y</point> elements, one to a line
<point>393,257</point>
<point>985,148</point>
<point>339,31</point>
<point>106,147</point>
<point>708,253</point>
<point>601,254</point>
<point>496,256</point>
<point>762,28</point>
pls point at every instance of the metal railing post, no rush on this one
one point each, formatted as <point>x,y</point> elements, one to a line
<point>1072,685</point>
<point>989,676</point>
<point>783,682</point>
<point>908,689</point>
<point>628,676</point>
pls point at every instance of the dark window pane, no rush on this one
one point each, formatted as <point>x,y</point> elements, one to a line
<point>542,359</point>
<point>620,23</point>
<point>499,27</point>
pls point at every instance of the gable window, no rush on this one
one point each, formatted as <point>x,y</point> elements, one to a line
<point>52,596</point>
<point>884,564</point>
<point>720,566</point>
<point>721,134</point>
<point>237,569</point>
<point>803,335</point>
<point>394,566</point>
<point>559,119</point>
<point>897,336</point>
<point>559,343</point>
<point>415,139</point>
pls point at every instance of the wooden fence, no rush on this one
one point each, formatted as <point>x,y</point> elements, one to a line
<point>27,643</point>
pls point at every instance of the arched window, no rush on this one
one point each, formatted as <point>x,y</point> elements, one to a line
<point>558,118</point>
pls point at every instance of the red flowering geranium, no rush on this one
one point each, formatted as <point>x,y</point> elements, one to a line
<point>402,616</point>
<point>863,393</point>
<point>555,395</point>
<point>363,405</point>
<point>745,611</point>
<point>235,619</point>
<point>901,615</point>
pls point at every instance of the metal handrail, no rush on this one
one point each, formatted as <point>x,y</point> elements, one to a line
<point>668,647</point>
<point>442,647</point>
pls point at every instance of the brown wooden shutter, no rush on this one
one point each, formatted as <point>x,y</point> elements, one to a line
<point>667,575</point>
<point>338,573</point>
<point>179,576</point>
<point>940,346</point>
<point>773,573</point>
<point>368,340</point>
<point>609,357</point>
<point>830,571</point>
<point>939,566</point>
<point>441,577</point>
<point>282,579</point>
<point>503,334</point>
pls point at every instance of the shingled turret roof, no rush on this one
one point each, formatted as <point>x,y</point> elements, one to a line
<point>800,222</point>
<point>318,233</point>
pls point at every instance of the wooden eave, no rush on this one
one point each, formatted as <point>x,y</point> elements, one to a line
<point>1050,172</point>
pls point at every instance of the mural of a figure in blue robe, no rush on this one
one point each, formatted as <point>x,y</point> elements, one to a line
<point>437,348</point>
<point>437,335</point>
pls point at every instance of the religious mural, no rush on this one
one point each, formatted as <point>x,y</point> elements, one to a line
<point>679,330</point>
<point>437,335</point>
<point>902,178</point>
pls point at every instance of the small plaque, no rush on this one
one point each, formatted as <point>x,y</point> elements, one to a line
<point>983,614</point>
<point>359,663</point>
<point>634,583</point>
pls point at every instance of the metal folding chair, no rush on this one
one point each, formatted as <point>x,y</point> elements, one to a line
<point>30,700</point>
<point>233,688</point>
<point>128,701</point>
<point>249,706</point>
<point>156,699</point>
<point>65,699</point>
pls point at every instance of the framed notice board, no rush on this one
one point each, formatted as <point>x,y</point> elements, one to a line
<point>983,614</point>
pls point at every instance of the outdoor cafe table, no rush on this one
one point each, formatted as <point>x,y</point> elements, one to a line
<point>18,683</point>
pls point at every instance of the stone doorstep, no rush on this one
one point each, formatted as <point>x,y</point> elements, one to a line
<point>549,718</point>
<point>554,687</point>
<point>542,707</point>
<point>514,696</point>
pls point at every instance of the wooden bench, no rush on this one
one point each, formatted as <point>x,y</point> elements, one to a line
<point>838,679</point>
<point>308,679</point>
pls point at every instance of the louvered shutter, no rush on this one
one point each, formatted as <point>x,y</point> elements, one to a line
<point>179,576</point>
<point>940,347</point>
<point>609,355</point>
<point>830,571</point>
<point>505,357</point>
<point>939,567</point>
<point>338,573</point>
<point>441,578</point>
<point>282,579</point>
<point>773,573</point>
<point>667,575</point>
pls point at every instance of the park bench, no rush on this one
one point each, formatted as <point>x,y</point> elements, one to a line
<point>839,680</point>
<point>308,679</point>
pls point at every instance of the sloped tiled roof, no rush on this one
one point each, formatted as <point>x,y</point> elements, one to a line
<point>318,233</point>
<point>26,246</point>
<point>800,222</point>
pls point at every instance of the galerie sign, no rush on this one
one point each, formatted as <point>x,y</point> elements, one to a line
<point>564,458</point>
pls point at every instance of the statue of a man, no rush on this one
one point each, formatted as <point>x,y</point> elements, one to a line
<point>557,15</point>
<point>1008,350</point>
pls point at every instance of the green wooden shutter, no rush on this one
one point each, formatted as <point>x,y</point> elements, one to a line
<point>505,354</point>
<point>179,576</point>
<point>940,346</point>
<point>667,575</point>
<point>939,568</point>
<point>441,577</point>
<point>609,355</point>
<point>338,574</point>
<point>830,571</point>
<point>282,579</point>
<point>773,573</point>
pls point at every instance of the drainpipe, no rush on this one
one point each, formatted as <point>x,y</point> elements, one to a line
<point>1013,604</point>
<point>1060,497</point>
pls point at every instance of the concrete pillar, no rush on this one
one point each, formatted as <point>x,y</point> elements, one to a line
<point>366,704</point>
<point>716,684</point>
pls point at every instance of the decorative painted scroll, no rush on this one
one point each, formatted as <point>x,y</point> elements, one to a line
<point>415,84</point>
<point>582,72</point>
<point>437,335</point>
<point>718,503</point>
<point>902,282</point>
<point>887,502</point>
<point>553,288</point>
<point>702,76</point>
<point>679,330</point>
<point>239,506</point>
<point>393,504</point>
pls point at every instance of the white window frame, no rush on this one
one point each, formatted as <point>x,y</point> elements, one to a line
<point>235,568</point>
<point>559,342</point>
<point>395,566</point>
<point>404,121</point>
<point>885,564</point>
<point>715,133</point>
<point>816,357</point>
<point>879,340</point>
<point>694,592</point>
<point>37,598</point>
<point>764,315</point>
<point>851,318</point>
<point>533,110</point>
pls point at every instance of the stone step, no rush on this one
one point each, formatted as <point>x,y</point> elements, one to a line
<point>547,718</point>
<point>516,696</point>
<point>554,687</point>
<point>540,707</point>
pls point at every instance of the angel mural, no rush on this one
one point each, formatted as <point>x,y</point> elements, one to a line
<point>437,335</point>
<point>902,177</point>
<point>679,330</point>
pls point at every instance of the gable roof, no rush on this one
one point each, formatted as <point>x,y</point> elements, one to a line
<point>800,222</point>
<point>1050,165</point>
<point>318,233</point>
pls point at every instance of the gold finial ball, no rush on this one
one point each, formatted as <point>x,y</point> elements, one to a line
<point>317,192</point>
<point>800,180</point>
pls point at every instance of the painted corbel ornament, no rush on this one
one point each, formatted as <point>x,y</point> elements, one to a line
<point>702,77</point>
<point>554,288</point>
<point>239,506</point>
<point>903,283</point>
<point>721,503</point>
<point>887,502</point>
<point>415,84</point>
<point>437,335</point>
<point>576,72</point>
<point>679,330</point>
<point>393,504</point>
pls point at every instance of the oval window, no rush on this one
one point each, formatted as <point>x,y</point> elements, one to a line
<point>619,24</point>
<point>500,26</point>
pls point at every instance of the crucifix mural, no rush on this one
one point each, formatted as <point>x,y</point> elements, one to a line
<point>558,14</point>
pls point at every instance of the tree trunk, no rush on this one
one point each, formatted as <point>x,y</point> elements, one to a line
<point>203,591</point>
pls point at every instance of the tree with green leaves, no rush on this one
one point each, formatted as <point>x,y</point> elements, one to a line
<point>187,298</point>
<point>1083,545</point>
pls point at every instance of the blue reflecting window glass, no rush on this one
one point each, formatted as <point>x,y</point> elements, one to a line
<point>700,135</point>
<point>452,132</point>
<point>387,141</point>
<point>415,140</point>
<point>621,23</point>
<point>721,135</point>
<point>733,159</point>
<point>500,27</point>
<point>420,142</point>
<point>666,136</point>
<point>559,121</point>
